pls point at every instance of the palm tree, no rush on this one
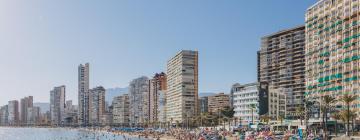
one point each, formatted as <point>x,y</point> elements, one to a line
<point>265,118</point>
<point>348,99</point>
<point>281,118</point>
<point>252,108</point>
<point>336,116</point>
<point>327,102</point>
<point>228,113</point>
<point>300,112</point>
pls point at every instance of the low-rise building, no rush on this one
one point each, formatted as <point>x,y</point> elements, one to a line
<point>246,96</point>
<point>218,102</point>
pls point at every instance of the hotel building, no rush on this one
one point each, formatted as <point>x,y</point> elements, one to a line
<point>281,64</point>
<point>182,86</point>
<point>333,49</point>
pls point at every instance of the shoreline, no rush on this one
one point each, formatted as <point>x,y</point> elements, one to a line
<point>147,135</point>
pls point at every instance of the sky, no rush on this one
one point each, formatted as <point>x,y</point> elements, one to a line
<point>42,42</point>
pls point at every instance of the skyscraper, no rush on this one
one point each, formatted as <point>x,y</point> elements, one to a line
<point>139,100</point>
<point>332,49</point>
<point>25,103</point>
<point>157,97</point>
<point>83,95</point>
<point>182,86</point>
<point>121,112</point>
<point>281,61</point>
<point>13,112</point>
<point>57,105</point>
<point>96,105</point>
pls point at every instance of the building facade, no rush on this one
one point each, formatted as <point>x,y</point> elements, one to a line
<point>203,103</point>
<point>282,65</point>
<point>83,94</point>
<point>25,103</point>
<point>139,101</point>
<point>332,49</point>
<point>218,102</point>
<point>57,106</point>
<point>96,105</point>
<point>33,116</point>
<point>13,113</point>
<point>182,86</point>
<point>120,111</point>
<point>157,100</point>
<point>277,103</point>
<point>4,114</point>
<point>244,97</point>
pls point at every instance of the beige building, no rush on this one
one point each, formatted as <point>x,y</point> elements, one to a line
<point>277,103</point>
<point>96,105</point>
<point>121,105</point>
<point>182,86</point>
<point>333,49</point>
<point>218,102</point>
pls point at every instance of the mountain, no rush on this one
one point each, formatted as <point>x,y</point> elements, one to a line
<point>113,92</point>
<point>43,107</point>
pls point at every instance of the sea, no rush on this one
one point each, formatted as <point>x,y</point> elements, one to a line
<point>9,133</point>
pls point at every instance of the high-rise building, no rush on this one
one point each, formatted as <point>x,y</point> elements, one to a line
<point>96,105</point>
<point>282,65</point>
<point>203,103</point>
<point>120,111</point>
<point>83,94</point>
<point>218,102</point>
<point>57,105</point>
<point>182,86</point>
<point>33,116</point>
<point>157,98</point>
<point>4,114</point>
<point>13,113</point>
<point>139,101</point>
<point>25,103</point>
<point>332,49</point>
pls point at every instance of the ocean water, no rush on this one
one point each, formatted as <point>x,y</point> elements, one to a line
<point>56,134</point>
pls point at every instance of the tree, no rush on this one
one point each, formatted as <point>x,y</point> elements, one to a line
<point>265,118</point>
<point>252,108</point>
<point>336,116</point>
<point>228,113</point>
<point>300,113</point>
<point>327,102</point>
<point>347,100</point>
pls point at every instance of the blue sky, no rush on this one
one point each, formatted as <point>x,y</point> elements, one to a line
<point>42,42</point>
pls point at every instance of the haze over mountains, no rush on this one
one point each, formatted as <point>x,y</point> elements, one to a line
<point>113,92</point>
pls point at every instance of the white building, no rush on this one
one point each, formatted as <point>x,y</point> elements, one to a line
<point>13,110</point>
<point>244,97</point>
<point>139,100</point>
<point>33,115</point>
